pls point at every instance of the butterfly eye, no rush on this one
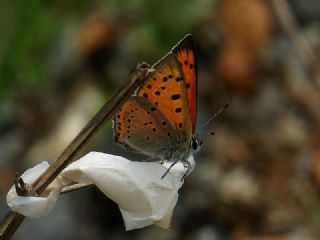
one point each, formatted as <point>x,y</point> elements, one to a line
<point>194,144</point>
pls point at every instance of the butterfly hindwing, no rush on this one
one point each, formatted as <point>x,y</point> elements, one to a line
<point>186,54</point>
<point>140,127</point>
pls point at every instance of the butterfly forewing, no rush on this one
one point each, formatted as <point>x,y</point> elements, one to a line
<point>166,89</point>
<point>187,56</point>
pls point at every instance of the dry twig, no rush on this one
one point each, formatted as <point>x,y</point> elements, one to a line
<point>300,44</point>
<point>137,76</point>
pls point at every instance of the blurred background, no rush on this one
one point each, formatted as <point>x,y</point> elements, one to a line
<point>257,178</point>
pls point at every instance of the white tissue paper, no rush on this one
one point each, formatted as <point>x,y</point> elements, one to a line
<point>142,196</point>
<point>34,207</point>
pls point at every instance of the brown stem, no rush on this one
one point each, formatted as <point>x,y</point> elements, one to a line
<point>137,76</point>
<point>300,44</point>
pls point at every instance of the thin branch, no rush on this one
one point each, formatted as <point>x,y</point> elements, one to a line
<point>137,76</point>
<point>300,44</point>
<point>75,187</point>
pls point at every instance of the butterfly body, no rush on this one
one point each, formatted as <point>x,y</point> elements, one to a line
<point>159,120</point>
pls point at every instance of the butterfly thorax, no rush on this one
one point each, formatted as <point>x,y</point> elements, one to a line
<point>182,151</point>
<point>176,153</point>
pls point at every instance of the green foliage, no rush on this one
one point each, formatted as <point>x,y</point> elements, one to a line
<point>159,24</point>
<point>28,29</point>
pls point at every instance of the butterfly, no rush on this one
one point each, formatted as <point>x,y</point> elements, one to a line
<point>159,120</point>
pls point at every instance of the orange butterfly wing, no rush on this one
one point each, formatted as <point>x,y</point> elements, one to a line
<point>140,128</point>
<point>120,126</point>
<point>187,56</point>
<point>166,89</point>
<point>172,90</point>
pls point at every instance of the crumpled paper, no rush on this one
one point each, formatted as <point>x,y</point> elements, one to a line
<point>142,196</point>
<point>34,207</point>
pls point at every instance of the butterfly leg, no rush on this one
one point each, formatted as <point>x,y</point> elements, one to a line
<point>168,170</point>
<point>150,159</point>
<point>186,165</point>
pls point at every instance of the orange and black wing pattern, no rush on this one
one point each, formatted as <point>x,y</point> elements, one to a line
<point>186,54</point>
<point>166,89</point>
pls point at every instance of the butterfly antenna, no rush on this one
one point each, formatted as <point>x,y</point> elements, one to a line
<point>214,117</point>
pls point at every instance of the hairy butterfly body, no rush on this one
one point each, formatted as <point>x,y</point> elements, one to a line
<point>159,120</point>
